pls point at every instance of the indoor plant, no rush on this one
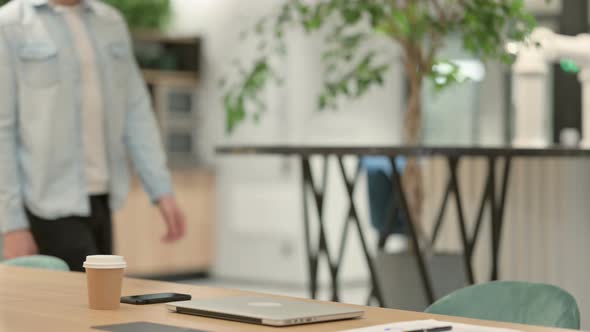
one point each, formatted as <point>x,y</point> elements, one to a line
<point>352,66</point>
<point>142,14</point>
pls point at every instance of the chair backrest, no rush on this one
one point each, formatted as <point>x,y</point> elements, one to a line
<point>513,302</point>
<point>39,262</point>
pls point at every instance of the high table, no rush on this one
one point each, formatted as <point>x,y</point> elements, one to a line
<point>41,300</point>
<point>492,195</point>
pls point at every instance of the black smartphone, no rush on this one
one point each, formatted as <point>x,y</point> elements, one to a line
<point>155,298</point>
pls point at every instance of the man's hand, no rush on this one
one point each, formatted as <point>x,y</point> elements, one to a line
<point>173,217</point>
<point>19,243</point>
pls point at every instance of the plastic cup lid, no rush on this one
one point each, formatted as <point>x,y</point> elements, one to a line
<point>105,262</point>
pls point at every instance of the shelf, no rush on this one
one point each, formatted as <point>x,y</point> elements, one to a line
<point>173,78</point>
<point>155,36</point>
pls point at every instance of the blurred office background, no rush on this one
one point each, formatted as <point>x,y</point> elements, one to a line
<point>245,217</point>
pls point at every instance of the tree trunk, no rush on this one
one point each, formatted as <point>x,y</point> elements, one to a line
<point>412,177</point>
<point>413,117</point>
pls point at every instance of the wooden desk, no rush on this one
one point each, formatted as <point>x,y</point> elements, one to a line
<point>35,300</point>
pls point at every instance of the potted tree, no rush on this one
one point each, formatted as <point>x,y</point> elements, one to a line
<point>352,66</point>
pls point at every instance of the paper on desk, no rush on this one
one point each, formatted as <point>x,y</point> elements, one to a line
<point>425,324</point>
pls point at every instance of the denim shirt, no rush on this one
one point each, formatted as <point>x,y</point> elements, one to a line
<point>41,151</point>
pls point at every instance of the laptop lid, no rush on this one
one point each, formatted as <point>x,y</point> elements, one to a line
<point>266,310</point>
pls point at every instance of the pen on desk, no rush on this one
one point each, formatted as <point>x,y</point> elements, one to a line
<point>433,329</point>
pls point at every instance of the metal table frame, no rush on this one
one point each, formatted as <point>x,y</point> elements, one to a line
<point>492,196</point>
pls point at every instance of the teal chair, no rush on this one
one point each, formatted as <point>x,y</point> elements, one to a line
<point>512,302</point>
<point>39,262</point>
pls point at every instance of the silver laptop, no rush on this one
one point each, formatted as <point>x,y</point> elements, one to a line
<point>265,310</point>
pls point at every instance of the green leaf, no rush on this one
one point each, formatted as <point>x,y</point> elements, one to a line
<point>152,14</point>
<point>401,23</point>
<point>260,26</point>
<point>256,118</point>
<point>445,74</point>
<point>322,102</point>
<point>351,16</point>
<point>380,80</point>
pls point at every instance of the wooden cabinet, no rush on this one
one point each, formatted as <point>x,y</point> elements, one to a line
<point>138,228</point>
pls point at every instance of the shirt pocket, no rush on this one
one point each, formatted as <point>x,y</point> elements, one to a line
<point>40,64</point>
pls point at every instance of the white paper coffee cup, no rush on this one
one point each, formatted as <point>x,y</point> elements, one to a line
<point>105,262</point>
<point>104,275</point>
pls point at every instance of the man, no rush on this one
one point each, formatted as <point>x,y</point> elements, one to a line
<point>72,105</point>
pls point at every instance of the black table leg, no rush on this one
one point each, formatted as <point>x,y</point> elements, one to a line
<point>312,258</point>
<point>479,220</point>
<point>323,248</point>
<point>493,216</point>
<point>496,205</point>
<point>498,213</point>
<point>398,188</point>
<point>441,213</point>
<point>314,255</point>
<point>353,217</point>
<point>505,182</point>
<point>453,168</point>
